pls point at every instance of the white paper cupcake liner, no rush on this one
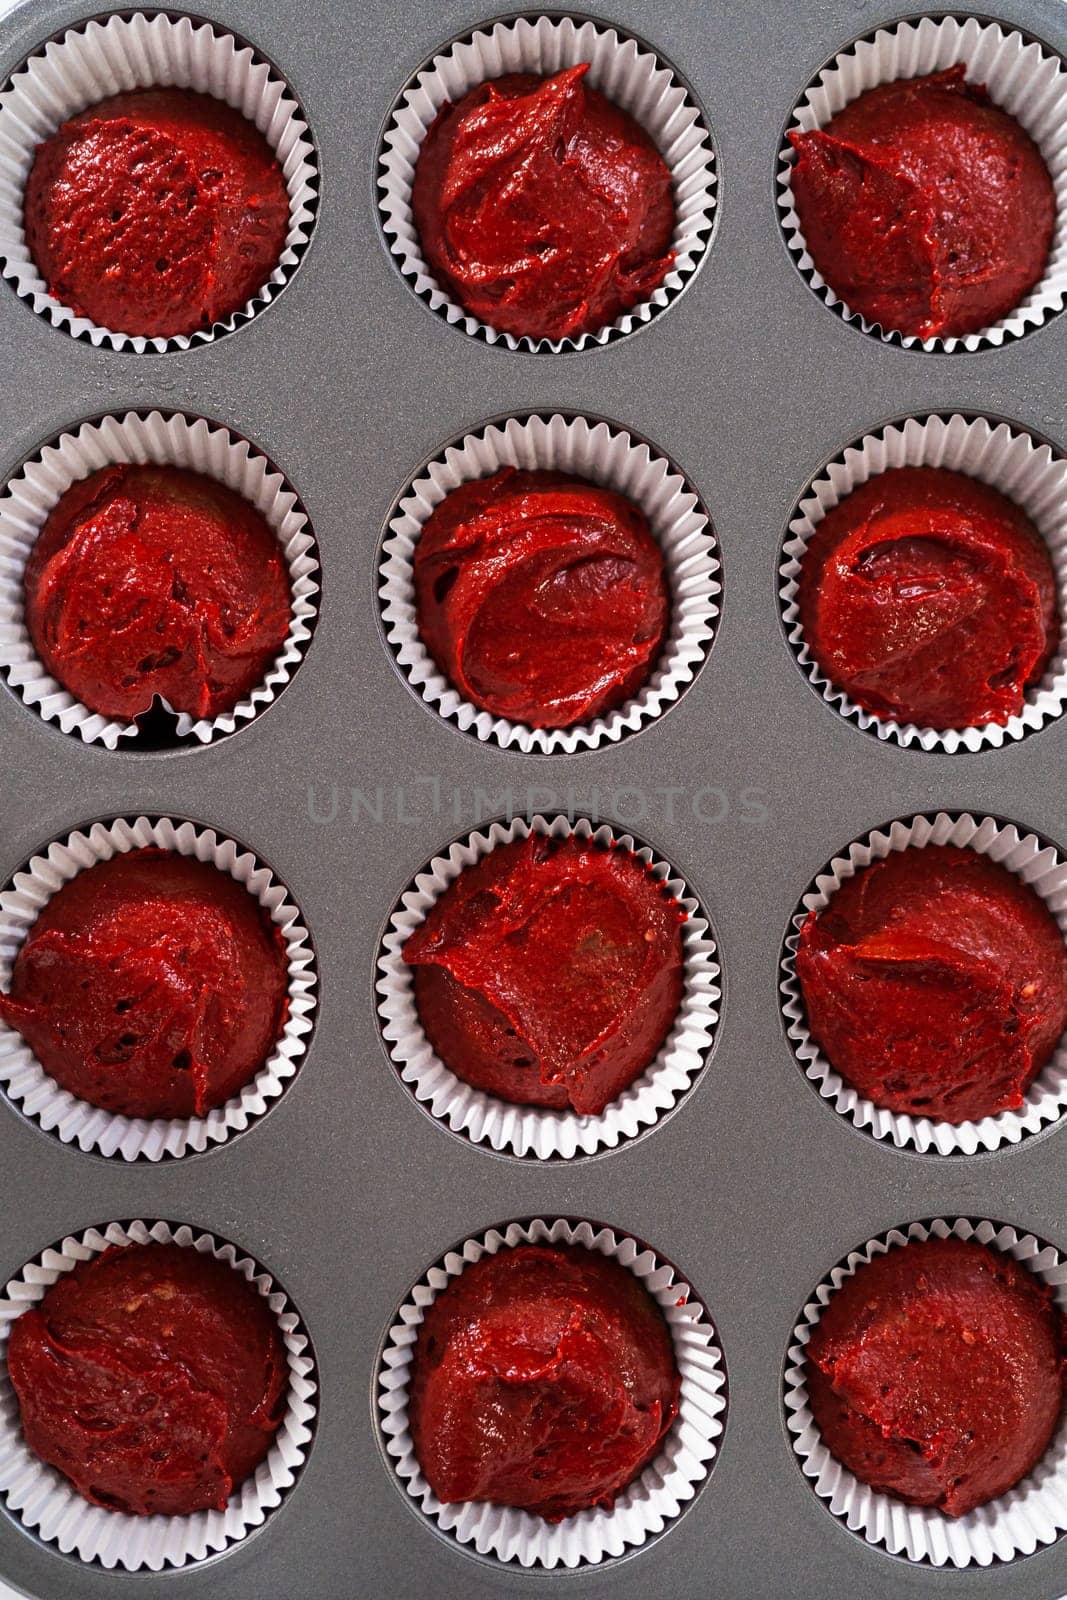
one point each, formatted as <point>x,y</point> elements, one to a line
<point>170,440</point>
<point>1021,77</point>
<point>49,1506</point>
<point>145,50</point>
<point>74,1121</point>
<point>1006,459</point>
<point>612,459</point>
<point>531,1131</point>
<point>661,1491</point>
<point>620,69</point>
<point>1032,1514</point>
<point>1039,866</point>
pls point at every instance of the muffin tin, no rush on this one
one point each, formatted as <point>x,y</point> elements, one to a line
<point>347,1190</point>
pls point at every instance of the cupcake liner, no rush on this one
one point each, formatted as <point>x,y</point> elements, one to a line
<point>615,460</point>
<point>145,50</point>
<point>1032,1514</point>
<point>1030,859</point>
<point>58,1111</point>
<point>1022,78</point>
<point>1005,458</point>
<point>50,1507</point>
<point>172,440</point>
<point>655,1498</point>
<point>619,68</point>
<point>531,1131</point>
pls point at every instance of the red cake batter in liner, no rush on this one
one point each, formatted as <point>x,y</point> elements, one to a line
<point>541,207</point>
<point>935,982</point>
<point>925,207</point>
<point>935,1373</point>
<point>549,973</point>
<point>153,1377</point>
<point>152,581</point>
<point>541,598</point>
<point>151,985</point>
<point>542,1378</point>
<point>930,598</point>
<point>156,212</point>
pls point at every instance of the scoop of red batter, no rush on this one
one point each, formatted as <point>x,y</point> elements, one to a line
<point>925,207</point>
<point>156,212</point>
<point>153,1377</point>
<point>549,973</point>
<point>149,581</point>
<point>935,982</point>
<point>152,985</point>
<point>542,1378</point>
<point>935,1373</point>
<point>541,597</point>
<point>930,598</point>
<point>541,207</point>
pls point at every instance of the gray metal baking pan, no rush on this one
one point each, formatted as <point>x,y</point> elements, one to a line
<point>347,1190</point>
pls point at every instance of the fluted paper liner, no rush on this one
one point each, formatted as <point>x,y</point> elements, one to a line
<point>612,459</point>
<point>1039,866</point>
<point>524,1130</point>
<point>24,1080</point>
<point>49,1506</point>
<point>659,1493</point>
<point>145,50</point>
<point>621,70</point>
<point>1022,78</point>
<point>1005,458</point>
<point>1032,1514</point>
<point>167,440</point>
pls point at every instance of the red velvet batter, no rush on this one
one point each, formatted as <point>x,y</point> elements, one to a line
<point>925,207</point>
<point>541,207</point>
<point>153,1377</point>
<point>151,984</point>
<point>935,983</point>
<point>542,1378</point>
<point>930,598</point>
<point>149,581</point>
<point>936,1373</point>
<point>156,212</point>
<point>549,973</point>
<point>540,597</point>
